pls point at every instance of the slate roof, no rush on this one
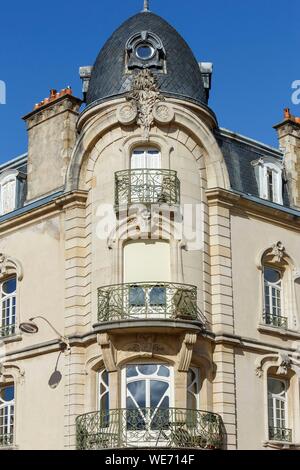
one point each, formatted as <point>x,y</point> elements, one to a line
<point>239,152</point>
<point>183,78</point>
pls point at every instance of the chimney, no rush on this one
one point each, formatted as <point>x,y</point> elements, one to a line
<point>51,130</point>
<point>289,142</point>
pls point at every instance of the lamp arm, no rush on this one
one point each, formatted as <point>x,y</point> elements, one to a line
<point>62,337</point>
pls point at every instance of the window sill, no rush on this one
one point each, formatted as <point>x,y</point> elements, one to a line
<point>11,447</point>
<point>278,331</point>
<point>281,445</point>
<point>11,339</point>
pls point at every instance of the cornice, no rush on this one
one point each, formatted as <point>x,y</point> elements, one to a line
<point>52,207</point>
<point>238,202</point>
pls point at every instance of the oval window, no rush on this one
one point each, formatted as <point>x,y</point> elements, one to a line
<point>144,52</point>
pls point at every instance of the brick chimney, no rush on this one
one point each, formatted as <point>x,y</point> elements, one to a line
<point>289,141</point>
<point>51,138</point>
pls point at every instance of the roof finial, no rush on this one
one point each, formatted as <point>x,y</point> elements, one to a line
<point>146,5</point>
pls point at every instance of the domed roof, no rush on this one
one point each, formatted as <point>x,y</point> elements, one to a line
<point>178,73</point>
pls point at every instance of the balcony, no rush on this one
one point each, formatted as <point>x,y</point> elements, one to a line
<point>275,320</point>
<point>147,187</point>
<point>169,428</point>
<point>280,434</point>
<point>142,301</point>
<point>7,330</point>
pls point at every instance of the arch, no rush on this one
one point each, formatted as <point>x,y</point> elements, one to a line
<point>276,257</point>
<point>96,123</point>
<point>9,265</point>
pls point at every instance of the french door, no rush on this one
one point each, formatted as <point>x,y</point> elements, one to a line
<point>145,185</point>
<point>146,399</point>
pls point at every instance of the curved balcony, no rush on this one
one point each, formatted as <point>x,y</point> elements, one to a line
<point>149,427</point>
<point>147,187</point>
<point>155,300</point>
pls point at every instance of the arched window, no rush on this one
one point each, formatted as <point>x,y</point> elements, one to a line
<point>279,289</point>
<point>278,410</point>
<point>8,288</point>
<point>147,394</point>
<point>7,412</point>
<point>273,296</point>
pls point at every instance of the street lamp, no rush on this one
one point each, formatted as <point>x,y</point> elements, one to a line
<point>31,327</point>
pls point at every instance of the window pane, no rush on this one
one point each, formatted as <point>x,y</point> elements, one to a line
<point>158,296</point>
<point>157,391</point>
<point>148,369</point>
<point>138,391</point>
<point>272,275</point>
<point>137,297</point>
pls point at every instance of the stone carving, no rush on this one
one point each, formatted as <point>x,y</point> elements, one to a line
<point>278,251</point>
<point>163,113</point>
<point>282,361</point>
<point>147,346</point>
<point>7,264</point>
<point>145,104</point>
<point>11,370</point>
<point>144,95</point>
<point>108,352</point>
<point>186,352</point>
<point>127,114</point>
<point>285,364</point>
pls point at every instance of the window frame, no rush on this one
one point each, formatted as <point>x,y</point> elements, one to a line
<point>263,168</point>
<point>7,177</point>
<point>271,286</point>
<point>275,397</point>
<point>145,154</point>
<point>12,298</point>
<point>12,415</point>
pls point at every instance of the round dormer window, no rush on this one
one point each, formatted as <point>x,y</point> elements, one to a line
<point>144,52</point>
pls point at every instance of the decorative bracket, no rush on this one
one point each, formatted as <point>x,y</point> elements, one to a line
<point>108,352</point>
<point>185,355</point>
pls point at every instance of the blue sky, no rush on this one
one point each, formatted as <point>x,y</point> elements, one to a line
<point>254,45</point>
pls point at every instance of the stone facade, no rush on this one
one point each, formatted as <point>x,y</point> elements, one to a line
<point>62,253</point>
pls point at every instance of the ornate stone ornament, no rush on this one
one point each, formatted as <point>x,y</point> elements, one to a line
<point>163,113</point>
<point>127,114</point>
<point>145,104</point>
<point>282,361</point>
<point>8,264</point>
<point>278,251</point>
<point>144,94</point>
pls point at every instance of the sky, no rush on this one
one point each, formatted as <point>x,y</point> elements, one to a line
<point>253,44</point>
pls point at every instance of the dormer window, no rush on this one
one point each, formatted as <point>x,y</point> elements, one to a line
<point>269,179</point>
<point>145,50</point>
<point>8,191</point>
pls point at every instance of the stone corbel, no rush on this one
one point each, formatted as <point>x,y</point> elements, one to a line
<point>12,370</point>
<point>185,355</point>
<point>7,263</point>
<point>108,352</point>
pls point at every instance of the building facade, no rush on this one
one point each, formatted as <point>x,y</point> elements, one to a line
<point>150,264</point>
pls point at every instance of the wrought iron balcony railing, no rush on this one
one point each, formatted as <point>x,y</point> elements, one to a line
<point>155,300</point>
<point>7,330</point>
<point>147,187</point>
<point>6,440</point>
<point>280,434</point>
<point>275,320</point>
<point>170,428</point>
